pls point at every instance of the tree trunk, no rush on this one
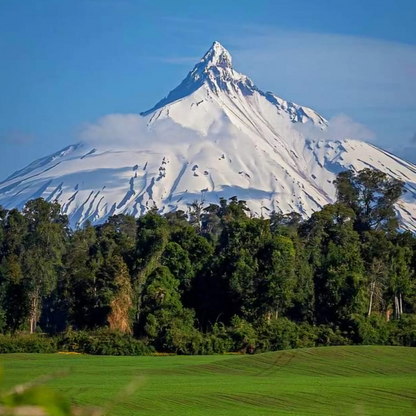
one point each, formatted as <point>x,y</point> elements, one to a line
<point>401,304</point>
<point>370,307</point>
<point>33,314</point>
<point>396,307</point>
<point>277,313</point>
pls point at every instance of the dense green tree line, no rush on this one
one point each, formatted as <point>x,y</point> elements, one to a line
<point>216,275</point>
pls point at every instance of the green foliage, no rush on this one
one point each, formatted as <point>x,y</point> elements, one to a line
<point>101,342</point>
<point>334,250</point>
<point>280,334</point>
<point>375,330</point>
<point>216,341</point>
<point>243,335</point>
<point>23,343</point>
<point>214,279</point>
<point>176,259</point>
<point>405,334</point>
<point>169,325</point>
<point>372,195</point>
<point>35,400</point>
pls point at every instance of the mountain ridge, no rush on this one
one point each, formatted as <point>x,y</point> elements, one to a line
<point>215,135</point>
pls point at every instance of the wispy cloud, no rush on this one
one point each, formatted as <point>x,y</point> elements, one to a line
<point>340,127</point>
<point>17,138</point>
<point>366,87</point>
<point>373,81</point>
<point>406,151</point>
<point>185,20</point>
<point>175,60</point>
<point>114,4</point>
<point>131,130</point>
<point>366,71</point>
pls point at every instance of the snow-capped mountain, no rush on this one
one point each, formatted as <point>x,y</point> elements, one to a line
<point>215,135</point>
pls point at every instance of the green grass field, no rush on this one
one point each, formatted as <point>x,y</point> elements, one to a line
<point>360,380</point>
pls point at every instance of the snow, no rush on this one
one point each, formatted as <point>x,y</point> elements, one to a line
<point>215,135</point>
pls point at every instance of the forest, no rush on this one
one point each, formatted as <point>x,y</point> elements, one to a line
<point>211,280</point>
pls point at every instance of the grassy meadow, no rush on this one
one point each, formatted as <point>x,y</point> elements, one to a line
<point>359,380</point>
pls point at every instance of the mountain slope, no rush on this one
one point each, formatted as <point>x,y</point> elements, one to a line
<point>215,135</point>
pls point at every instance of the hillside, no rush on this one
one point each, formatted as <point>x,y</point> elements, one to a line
<point>362,380</point>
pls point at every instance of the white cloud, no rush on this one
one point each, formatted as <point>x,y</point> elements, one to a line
<point>366,87</point>
<point>114,128</point>
<point>129,130</point>
<point>339,127</point>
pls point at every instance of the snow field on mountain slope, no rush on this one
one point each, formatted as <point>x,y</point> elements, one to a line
<point>215,135</point>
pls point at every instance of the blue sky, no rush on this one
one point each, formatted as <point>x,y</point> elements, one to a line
<point>68,62</point>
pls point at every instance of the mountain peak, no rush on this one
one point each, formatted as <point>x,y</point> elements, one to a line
<point>214,72</point>
<point>218,56</point>
<point>214,136</point>
<point>215,67</point>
